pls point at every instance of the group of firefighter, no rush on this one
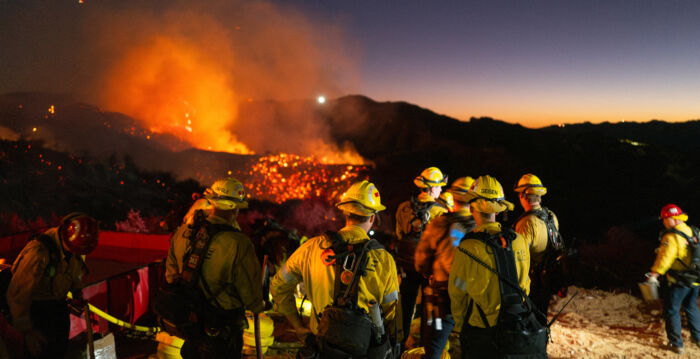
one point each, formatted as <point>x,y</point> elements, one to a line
<point>471,271</point>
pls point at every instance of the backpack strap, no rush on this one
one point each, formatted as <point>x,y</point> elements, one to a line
<point>201,234</point>
<point>693,244</point>
<point>54,254</point>
<point>421,211</point>
<point>506,271</point>
<point>691,240</point>
<point>555,240</point>
<point>354,260</point>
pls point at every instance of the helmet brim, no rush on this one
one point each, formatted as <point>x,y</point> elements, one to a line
<point>486,206</point>
<point>462,196</point>
<point>422,183</point>
<point>539,191</point>
<point>226,204</point>
<point>358,209</point>
<point>532,189</point>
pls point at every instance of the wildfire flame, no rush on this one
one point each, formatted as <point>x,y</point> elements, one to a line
<point>170,86</point>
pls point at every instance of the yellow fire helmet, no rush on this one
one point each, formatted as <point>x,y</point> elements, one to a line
<point>227,193</point>
<point>530,184</point>
<point>461,189</point>
<point>362,198</point>
<point>490,197</point>
<point>430,177</point>
<point>447,200</point>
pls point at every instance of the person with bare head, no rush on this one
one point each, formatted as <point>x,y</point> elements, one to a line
<point>678,257</point>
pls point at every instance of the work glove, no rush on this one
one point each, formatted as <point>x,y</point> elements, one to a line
<point>653,280</point>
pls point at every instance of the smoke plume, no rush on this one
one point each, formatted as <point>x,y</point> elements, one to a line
<point>184,67</point>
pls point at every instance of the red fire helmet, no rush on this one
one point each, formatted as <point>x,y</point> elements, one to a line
<point>671,210</point>
<point>79,232</point>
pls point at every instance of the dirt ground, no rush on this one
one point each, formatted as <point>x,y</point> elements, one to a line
<point>600,324</point>
<point>596,324</point>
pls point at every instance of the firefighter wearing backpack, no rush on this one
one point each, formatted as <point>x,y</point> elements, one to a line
<point>230,277</point>
<point>534,227</point>
<point>489,282</point>
<point>327,263</point>
<point>433,260</point>
<point>678,258</point>
<point>411,218</point>
<point>46,269</point>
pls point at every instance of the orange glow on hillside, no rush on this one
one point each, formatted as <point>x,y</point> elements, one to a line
<point>282,177</point>
<point>170,85</point>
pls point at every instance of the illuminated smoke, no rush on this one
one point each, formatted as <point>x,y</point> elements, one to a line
<point>185,71</point>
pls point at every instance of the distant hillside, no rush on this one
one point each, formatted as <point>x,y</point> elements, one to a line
<point>631,169</point>
<point>680,137</point>
<point>606,182</point>
<point>597,175</point>
<point>36,182</point>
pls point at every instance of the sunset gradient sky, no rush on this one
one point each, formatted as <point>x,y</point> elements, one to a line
<point>533,62</point>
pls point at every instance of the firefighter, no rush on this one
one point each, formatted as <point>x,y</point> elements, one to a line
<point>433,260</point>
<point>532,226</point>
<point>310,264</point>
<point>231,278</point>
<point>411,218</point>
<point>475,291</point>
<point>674,257</point>
<point>47,268</point>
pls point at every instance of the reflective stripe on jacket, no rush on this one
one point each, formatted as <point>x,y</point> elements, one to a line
<point>535,232</point>
<point>673,246</point>
<point>305,265</point>
<point>470,280</point>
<point>231,268</point>
<point>32,279</point>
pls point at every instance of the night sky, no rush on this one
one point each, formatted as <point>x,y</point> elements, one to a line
<point>529,62</point>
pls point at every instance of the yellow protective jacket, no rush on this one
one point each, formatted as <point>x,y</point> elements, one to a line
<point>380,283</point>
<point>672,251</point>
<point>470,281</point>
<point>534,230</point>
<point>436,248</point>
<point>35,277</point>
<point>231,269</point>
<point>406,221</point>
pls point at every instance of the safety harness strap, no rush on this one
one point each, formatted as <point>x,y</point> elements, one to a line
<point>201,234</point>
<point>506,271</point>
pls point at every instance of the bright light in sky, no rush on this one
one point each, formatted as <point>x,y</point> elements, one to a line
<point>321,100</point>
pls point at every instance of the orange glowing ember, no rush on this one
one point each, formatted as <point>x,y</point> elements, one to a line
<point>278,178</point>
